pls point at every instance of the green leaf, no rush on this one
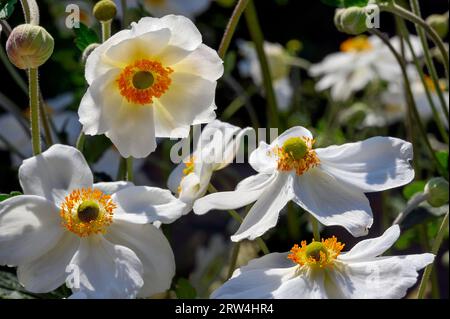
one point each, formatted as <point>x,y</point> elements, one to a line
<point>6,196</point>
<point>184,289</point>
<point>442,157</point>
<point>84,37</point>
<point>413,188</point>
<point>346,3</point>
<point>7,8</point>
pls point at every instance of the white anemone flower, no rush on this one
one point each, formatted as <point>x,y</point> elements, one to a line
<point>280,63</point>
<point>154,80</point>
<point>320,271</point>
<point>362,60</point>
<point>329,183</point>
<point>98,238</point>
<point>64,121</point>
<point>215,149</point>
<point>190,9</point>
<point>395,106</point>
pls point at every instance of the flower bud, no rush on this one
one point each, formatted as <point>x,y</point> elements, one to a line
<point>105,10</point>
<point>89,49</point>
<point>352,20</point>
<point>439,22</point>
<point>29,46</point>
<point>437,191</point>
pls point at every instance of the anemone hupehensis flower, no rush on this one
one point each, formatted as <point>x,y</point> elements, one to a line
<point>154,80</point>
<point>320,270</point>
<point>99,235</point>
<point>327,182</point>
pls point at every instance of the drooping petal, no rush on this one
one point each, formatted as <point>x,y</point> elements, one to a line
<point>264,213</point>
<point>259,279</point>
<point>106,270</point>
<point>371,248</point>
<point>380,278</point>
<point>143,204</point>
<point>48,272</point>
<point>55,173</point>
<point>152,249</point>
<point>247,191</point>
<point>376,164</point>
<point>29,228</point>
<point>333,203</point>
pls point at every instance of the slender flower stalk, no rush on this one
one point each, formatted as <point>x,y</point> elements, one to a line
<point>130,174</point>
<point>34,109</point>
<point>315,228</point>
<point>106,30</point>
<point>411,103</point>
<point>258,39</point>
<point>234,257</point>
<point>436,245</point>
<point>231,27</point>
<point>124,13</point>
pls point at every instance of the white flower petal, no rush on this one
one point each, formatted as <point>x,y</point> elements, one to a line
<point>143,204</point>
<point>381,278</point>
<point>308,285</point>
<point>48,272</point>
<point>263,159</point>
<point>29,227</point>
<point>55,173</point>
<point>333,203</point>
<point>371,248</point>
<point>376,164</point>
<point>283,93</point>
<point>247,191</point>
<point>175,177</point>
<point>264,213</point>
<point>112,187</point>
<point>203,62</point>
<point>152,249</point>
<point>107,270</point>
<point>259,279</point>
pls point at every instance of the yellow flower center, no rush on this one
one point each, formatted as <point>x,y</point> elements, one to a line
<point>317,254</point>
<point>87,211</point>
<point>297,154</point>
<point>144,80</point>
<point>360,43</point>
<point>189,168</point>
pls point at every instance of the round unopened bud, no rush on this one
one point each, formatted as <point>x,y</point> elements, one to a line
<point>89,49</point>
<point>352,20</point>
<point>105,10</point>
<point>437,191</point>
<point>29,46</point>
<point>439,22</point>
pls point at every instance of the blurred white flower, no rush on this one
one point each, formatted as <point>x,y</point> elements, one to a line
<point>64,121</point>
<point>320,271</point>
<point>280,63</point>
<point>190,9</point>
<point>395,106</point>
<point>216,148</point>
<point>154,80</point>
<point>362,60</point>
<point>327,182</point>
<point>97,236</point>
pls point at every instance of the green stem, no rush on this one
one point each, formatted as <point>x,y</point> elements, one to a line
<point>315,228</point>
<point>429,61</point>
<point>122,171</point>
<point>258,39</point>
<point>436,116</point>
<point>431,33</point>
<point>130,173</point>
<point>231,27</point>
<point>106,30</point>
<point>26,10</point>
<point>124,13</point>
<point>80,141</point>
<point>434,250</point>
<point>234,256</point>
<point>262,245</point>
<point>34,110</point>
<point>411,102</point>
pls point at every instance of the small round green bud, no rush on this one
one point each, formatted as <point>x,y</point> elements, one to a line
<point>88,211</point>
<point>105,10</point>
<point>89,49</point>
<point>437,191</point>
<point>352,20</point>
<point>29,46</point>
<point>314,249</point>
<point>439,22</point>
<point>296,147</point>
